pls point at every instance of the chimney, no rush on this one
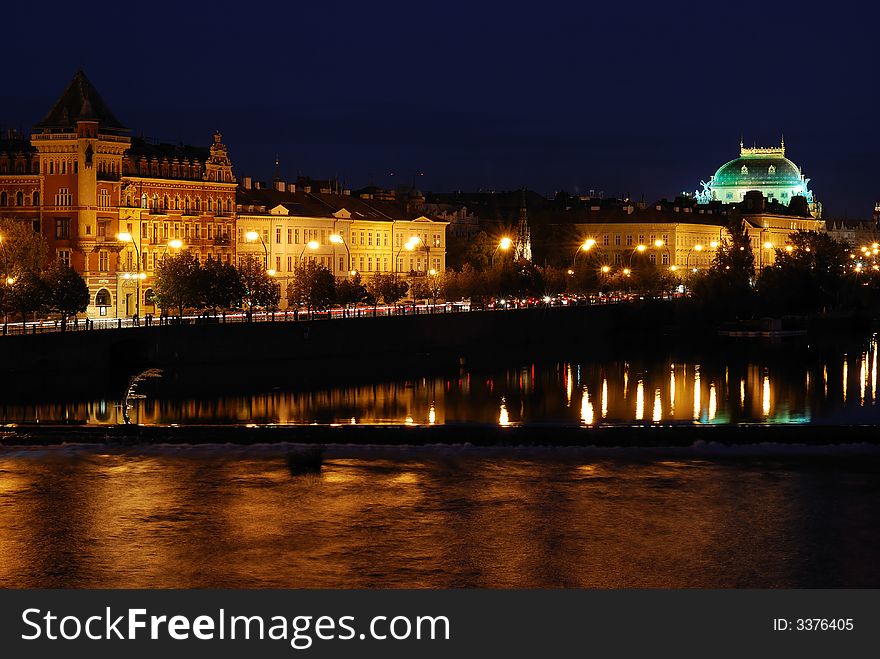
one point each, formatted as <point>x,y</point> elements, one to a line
<point>281,186</point>
<point>247,182</point>
<point>346,193</point>
<point>291,187</point>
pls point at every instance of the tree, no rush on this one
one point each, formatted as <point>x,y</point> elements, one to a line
<point>313,285</point>
<point>812,276</point>
<point>389,288</point>
<point>26,294</point>
<point>66,292</point>
<point>725,289</point>
<point>220,285</point>
<point>351,291</point>
<point>259,288</point>
<point>177,282</point>
<point>23,250</point>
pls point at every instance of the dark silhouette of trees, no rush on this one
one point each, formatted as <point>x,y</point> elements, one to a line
<point>66,292</point>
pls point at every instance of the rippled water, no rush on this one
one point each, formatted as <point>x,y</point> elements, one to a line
<point>222,516</point>
<point>730,382</point>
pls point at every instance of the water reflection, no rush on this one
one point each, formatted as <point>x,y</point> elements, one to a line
<point>761,387</point>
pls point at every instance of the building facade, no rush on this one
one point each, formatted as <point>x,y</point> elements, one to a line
<point>84,184</point>
<point>346,234</point>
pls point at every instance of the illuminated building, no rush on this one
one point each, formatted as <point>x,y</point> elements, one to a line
<point>288,223</point>
<point>765,169</point>
<point>82,180</point>
<point>680,235</point>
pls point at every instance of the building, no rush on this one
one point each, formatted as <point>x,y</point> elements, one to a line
<point>346,234</point>
<point>680,235</point>
<point>84,182</point>
<point>765,169</point>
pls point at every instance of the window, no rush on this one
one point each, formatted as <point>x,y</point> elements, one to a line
<point>617,239</point>
<point>744,170</point>
<point>277,263</point>
<point>19,198</point>
<point>289,237</point>
<point>665,258</point>
<point>771,169</point>
<point>296,236</point>
<point>278,236</point>
<point>103,260</point>
<point>102,298</point>
<point>629,240</point>
<point>290,264</point>
<point>102,229</point>
<point>63,197</point>
<point>64,257</point>
<point>36,201</point>
<point>4,199</point>
<point>62,228</point>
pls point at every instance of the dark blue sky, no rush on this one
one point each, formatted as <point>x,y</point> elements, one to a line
<point>634,97</point>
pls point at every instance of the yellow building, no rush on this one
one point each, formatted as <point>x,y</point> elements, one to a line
<point>285,226</point>
<point>683,236</point>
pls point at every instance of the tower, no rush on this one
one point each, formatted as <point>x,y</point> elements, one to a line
<point>81,145</point>
<point>523,247</point>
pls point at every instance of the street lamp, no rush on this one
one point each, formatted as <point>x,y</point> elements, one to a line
<point>586,246</point>
<point>503,244</point>
<point>312,245</point>
<point>252,236</point>
<point>415,241</point>
<point>126,237</point>
<point>696,248</point>
<point>336,239</point>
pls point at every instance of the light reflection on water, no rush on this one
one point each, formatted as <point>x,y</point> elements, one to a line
<point>713,389</point>
<point>217,516</point>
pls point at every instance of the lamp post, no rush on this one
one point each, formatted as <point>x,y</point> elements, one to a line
<point>696,248</point>
<point>503,244</point>
<point>7,281</point>
<point>252,236</point>
<point>416,241</point>
<point>126,237</point>
<point>585,246</point>
<point>312,245</point>
<point>337,239</point>
<point>640,249</point>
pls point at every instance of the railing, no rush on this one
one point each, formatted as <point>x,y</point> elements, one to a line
<point>302,314</point>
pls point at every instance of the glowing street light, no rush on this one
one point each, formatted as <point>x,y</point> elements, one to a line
<point>658,243</point>
<point>175,243</point>
<point>606,269</point>
<point>312,245</point>
<point>504,244</point>
<point>641,248</point>
<point>337,239</point>
<point>252,236</point>
<point>768,245</point>
<point>126,237</point>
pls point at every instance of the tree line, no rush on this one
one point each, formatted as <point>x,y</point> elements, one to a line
<point>32,284</point>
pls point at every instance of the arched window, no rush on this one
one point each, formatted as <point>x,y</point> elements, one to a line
<point>165,201</point>
<point>155,202</point>
<point>149,297</point>
<point>4,199</point>
<point>102,298</point>
<point>143,200</point>
<point>19,198</point>
<point>36,201</point>
<point>198,203</point>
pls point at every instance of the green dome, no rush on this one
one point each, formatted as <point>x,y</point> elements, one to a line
<point>758,172</point>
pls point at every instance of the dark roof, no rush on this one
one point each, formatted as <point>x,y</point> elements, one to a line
<point>80,101</point>
<point>140,147</point>
<point>16,145</point>
<point>313,204</point>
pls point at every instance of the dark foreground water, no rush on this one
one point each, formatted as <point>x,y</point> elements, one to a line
<point>224,516</point>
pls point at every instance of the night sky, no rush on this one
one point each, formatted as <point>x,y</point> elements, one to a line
<point>632,98</point>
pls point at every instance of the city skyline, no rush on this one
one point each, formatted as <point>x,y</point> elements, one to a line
<point>490,100</point>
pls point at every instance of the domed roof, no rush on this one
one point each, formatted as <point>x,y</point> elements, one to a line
<point>759,167</point>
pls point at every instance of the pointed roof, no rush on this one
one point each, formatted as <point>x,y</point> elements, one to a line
<point>80,101</point>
